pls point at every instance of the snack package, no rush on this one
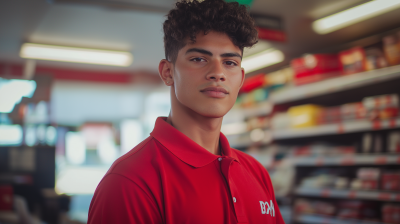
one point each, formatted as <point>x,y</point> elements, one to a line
<point>390,181</point>
<point>375,58</point>
<point>315,67</point>
<point>393,142</point>
<point>390,214</point>
<point>353,60</point>
<point>391,48</point>
<point>304,115</point>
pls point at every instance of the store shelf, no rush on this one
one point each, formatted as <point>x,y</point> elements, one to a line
<point>349,194</point>
<point>350,160</point>
<point>244,140</point>
<point>262,109</point>
<point>329,86</point>
<point>317,219</point>
<point>334,129</point>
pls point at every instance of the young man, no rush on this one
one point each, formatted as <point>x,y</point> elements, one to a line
<point>186,172</point>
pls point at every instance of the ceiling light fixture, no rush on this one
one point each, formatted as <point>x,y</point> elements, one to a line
<point>74,54</point>
<point>262,60</point>
<point>354,15</point>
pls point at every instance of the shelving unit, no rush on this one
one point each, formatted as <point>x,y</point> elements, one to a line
<point>349,194</point>
<point>349,160</point>
<point>316,219</point>
<point>335,129</point>
<point>332,93</point>
<point>330,129</point>
<point>293,93</point>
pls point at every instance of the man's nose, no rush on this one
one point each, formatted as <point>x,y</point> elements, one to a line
<point>217,72</point>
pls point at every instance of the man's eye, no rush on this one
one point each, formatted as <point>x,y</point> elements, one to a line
<point>197,59</point>
<point>230,63</point>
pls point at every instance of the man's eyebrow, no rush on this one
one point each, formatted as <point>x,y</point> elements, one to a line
<point>231,55</point>
<point>199,50</point>
<point>203,51</point>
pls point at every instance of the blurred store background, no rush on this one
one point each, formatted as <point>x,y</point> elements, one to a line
<point>319,108</point>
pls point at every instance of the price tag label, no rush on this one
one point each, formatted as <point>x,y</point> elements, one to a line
<point>392,123</point>
<point>340,129</point>
<point>347,161</point>
<point>384,196</point>
<point>376,125</point>
<point>325,193</point>
<point>381,160</point>
<point>352,194</point>
<point>319,161</point>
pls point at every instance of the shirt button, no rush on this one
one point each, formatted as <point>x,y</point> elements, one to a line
<point>234,200</point>
<point>220,159</point>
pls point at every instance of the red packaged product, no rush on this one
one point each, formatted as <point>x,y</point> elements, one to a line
<point>391,214</point>
<point>353,60</point>
<point>349,111</point>
<point>369,184</point>
<point>252,83</point>
<point>390,181</point>
<point>6,196</point>
<point>313,68</point>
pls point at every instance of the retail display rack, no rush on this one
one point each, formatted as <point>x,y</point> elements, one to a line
<point>333,91</point>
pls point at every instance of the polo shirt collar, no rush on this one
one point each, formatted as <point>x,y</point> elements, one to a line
<point>185,148</point>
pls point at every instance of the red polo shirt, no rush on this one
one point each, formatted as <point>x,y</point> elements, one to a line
<point>168,178</point>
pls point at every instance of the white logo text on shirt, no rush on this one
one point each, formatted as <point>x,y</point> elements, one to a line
<point>269,209</point>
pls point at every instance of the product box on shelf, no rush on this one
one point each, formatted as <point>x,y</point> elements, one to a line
<point>303,206</point>
<point>358,210</point>
<point>391,214</point>
<point>353,60</point>
<point>304,115</point>
<point>381,101</point>
<point>315,67</point>
<point>372,143</point>
<point>390,181</point>
<point>349,111</point>
<point>252,83</point>
<point>367,179</point>
<point>391,48</point>
<point>393,142</point>
<point>382,107</point>
<point>375,58</point>
<point>280,77</point>
<point>6,198</point>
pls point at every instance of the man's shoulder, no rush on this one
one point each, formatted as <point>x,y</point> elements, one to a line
<point>137,161</point>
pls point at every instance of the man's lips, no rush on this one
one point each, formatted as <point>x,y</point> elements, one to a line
<point>217,92</point>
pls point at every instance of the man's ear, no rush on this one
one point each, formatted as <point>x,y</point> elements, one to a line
<point>165,71</point>
<point>243,77</point>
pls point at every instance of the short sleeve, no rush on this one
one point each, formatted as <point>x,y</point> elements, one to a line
<point>118,199</point>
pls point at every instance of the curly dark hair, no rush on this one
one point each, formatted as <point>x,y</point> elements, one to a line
<point>193,16</point>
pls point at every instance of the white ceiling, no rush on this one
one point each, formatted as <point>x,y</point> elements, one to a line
<point>124,27</point>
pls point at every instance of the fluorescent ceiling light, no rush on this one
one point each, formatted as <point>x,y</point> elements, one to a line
<point>354,15</point>
<point>262,60</point>
<point>73,54</point>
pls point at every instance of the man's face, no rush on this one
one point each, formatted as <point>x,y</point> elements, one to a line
<point>207,75</point>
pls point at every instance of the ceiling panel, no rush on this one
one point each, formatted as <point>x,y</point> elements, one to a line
<point>118,25</point>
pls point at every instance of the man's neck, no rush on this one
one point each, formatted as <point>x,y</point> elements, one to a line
<point>203,130</point>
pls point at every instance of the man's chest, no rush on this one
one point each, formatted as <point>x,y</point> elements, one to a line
<point>223,192</point>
